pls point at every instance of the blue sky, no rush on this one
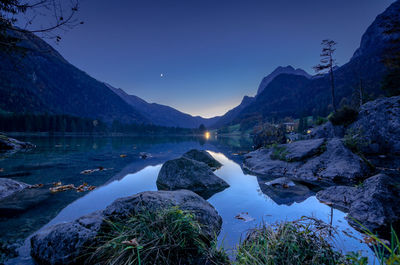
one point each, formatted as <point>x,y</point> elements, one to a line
<point>211,52</point>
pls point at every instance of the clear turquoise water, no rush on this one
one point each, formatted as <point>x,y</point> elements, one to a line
<point>131,175</point>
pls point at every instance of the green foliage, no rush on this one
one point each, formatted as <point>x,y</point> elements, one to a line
<point>356,258</point>
<point>320,120</point>
<point>354,140</point>
<point>168,236</point>
<point>279,153</point>
<point>298,242</point>
<point>344,116</point>
<point>303,125</point>
<point>268,134</point>
<point>386,253</point>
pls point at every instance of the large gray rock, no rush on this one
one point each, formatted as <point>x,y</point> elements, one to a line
<point>375,203</point>
<point>301,150</point>
<point>183,173</point>
<point>378,125</point>
<point>10,144</point>
<point>9,187</point>
<point>327,130</point>
<point>70,243</point>
<point>202,156</point>
<point>67,243</point>
<point>336,164</point>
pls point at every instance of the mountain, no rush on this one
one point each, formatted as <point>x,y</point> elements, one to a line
<point>230,116</point>
<point>280,70</point>
<point>40,80</point>
<point>162,115</point>
<point>298,95</point>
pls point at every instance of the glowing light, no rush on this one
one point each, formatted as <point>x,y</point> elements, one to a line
<point>308,131</point>
<point>161,75</point>
<point>207,135</point>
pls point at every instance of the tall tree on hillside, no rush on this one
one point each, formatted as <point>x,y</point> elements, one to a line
<point>391,57</point>
<point>19,16</point>
<point>327,65</point>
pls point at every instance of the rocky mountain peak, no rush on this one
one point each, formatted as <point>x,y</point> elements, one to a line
<point>374,39</point>
<point>280,70</point>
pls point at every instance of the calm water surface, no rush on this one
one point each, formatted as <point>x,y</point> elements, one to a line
<point>62,159</point>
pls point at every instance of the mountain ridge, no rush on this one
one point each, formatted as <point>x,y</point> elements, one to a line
<point>42,81</point>
<point>292,95</point>
<point>163,115</point>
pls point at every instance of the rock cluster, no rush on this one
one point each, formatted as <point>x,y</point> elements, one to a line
<point>315,161</point>
<point>374,204</point>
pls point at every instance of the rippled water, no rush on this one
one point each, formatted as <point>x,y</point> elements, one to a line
<point>131,175</point>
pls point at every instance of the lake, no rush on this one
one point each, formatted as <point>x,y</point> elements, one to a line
<point>63,159</point>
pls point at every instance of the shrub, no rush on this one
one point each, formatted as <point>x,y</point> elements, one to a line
<point>344,116</point>
<point>320,120</point>
<point>169,236</point>
<point>354,140</point>
<point>269,134</point>
<point>298,242</point>
<point>278,153</point>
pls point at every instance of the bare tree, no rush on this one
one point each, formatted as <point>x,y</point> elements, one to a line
<point>327,65</point>
<point>48,17</point>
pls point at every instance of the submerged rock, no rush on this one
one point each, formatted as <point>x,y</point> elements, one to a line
<point>203,156</point>
<point>284,191</point>
<point>331,163</point>
<point>10,144</point>
<point>378,125</point>
<point>9,187</point>
<point>375,203</point>
<point>23,200</point>
<point>184,173</point>
<point>70,243</point>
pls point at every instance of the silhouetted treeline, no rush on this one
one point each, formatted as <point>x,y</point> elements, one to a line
<point>118,127</point>
<point>26,122</point>
<point>49,123</point>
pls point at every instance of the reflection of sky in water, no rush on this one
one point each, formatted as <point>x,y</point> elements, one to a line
<point>243,195</point>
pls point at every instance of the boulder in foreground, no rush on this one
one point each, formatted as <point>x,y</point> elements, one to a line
<point>72,242</point>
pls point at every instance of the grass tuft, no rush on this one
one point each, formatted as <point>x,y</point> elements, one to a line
<point>299,242</point>
<point>168,236</point>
